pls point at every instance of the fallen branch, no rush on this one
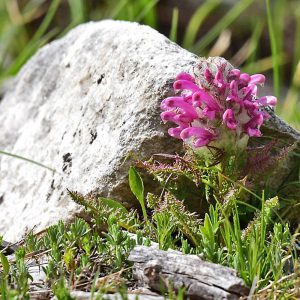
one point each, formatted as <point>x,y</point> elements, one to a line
<point>161,270</point>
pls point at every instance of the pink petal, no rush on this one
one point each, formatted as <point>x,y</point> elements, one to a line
<point>219,79</point>
<point>257,79</point>
<point>257,120</point>
<point>249,91</point>
<point>185,76</point>
<point>253,132</point>
<point>201,142</point>
<point>208,75</point>
<point>206,98</point>
<point>267,100</point>
<point>244,80</point>
<point>179,119</point>
<point>185,85</point>
<point>197,132</point>
<point>174,102</point>
<point>229,119</point>
<point>250,106</point>
<point>168,116</point>
<point>210,114</point>
<point>202,135</point>
<point>234,74</point>
<point>196,99</point>
<point>233,92</point>
<point>175,132</point>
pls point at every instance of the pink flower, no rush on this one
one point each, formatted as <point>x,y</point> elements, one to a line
<point>226,101</point>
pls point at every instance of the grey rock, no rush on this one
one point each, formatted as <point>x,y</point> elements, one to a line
<point>80,106</point>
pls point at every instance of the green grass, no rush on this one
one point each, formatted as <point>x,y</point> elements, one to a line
<point>223,23</point>
<point>91,253</point>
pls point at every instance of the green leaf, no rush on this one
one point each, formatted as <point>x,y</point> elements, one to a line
<point>136,184</point>
<point>113,204</point>
<point>5,264</point>
<point>174,25</point>
<point>137,187</point>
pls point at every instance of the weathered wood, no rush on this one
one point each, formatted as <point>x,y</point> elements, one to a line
<point>201,280</point>
<point>80,295</point>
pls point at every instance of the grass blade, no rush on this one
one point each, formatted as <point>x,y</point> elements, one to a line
<point>296,58</point>
<point>34,43</point>
<point>118,9</point>
<point>274,48</point>
<point>233,14</point>
<point>174,25</point>
<point>27,159</point>
<point>196,21</point>
<point>148,12</point>
<point>254,41</point>
<point>78,11</point>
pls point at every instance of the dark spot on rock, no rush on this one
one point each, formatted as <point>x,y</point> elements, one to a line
<point>93,134</point>
<point>49,194</point>
<point>63,135</point>
<point>100,78</point>
<point>74,134</point>
<point>68,65</point>
<point>1,199</point>
<point>48,197</point>
<point>67,162</point>
<point>67,157</point>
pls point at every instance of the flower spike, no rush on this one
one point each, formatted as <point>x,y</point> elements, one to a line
<point>224,105</point>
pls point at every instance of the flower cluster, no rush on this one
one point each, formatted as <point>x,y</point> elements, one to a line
<point>222,102</point>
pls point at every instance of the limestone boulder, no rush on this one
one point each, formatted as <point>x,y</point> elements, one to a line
<point>80,106</point>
